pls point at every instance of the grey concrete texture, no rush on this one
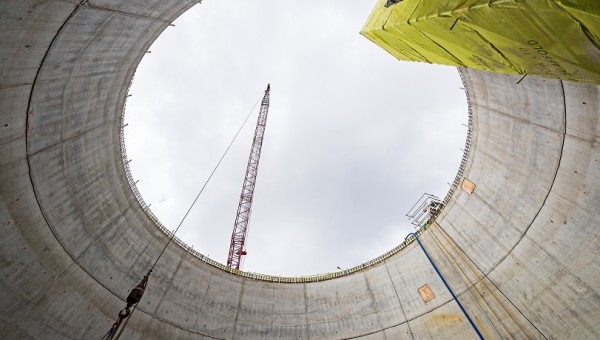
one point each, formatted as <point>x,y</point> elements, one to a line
<point>521,252</point>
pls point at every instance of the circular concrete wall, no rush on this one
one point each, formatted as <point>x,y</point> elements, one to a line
<point>521,251</point>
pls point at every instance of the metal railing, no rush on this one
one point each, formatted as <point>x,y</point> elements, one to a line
<point>290,279</point>
<point>424,210</point>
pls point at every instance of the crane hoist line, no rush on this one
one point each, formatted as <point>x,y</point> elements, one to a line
<point>237,248</point>
<point>136,294</point>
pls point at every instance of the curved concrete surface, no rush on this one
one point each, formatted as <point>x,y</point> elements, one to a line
<point>521,252</point>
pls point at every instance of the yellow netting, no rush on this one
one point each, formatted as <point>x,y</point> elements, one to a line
<point>548,38</point>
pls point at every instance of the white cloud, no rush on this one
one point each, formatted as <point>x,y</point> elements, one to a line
<point>354,136</point>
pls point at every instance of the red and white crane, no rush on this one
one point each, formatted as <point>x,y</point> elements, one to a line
<point>237,248</point>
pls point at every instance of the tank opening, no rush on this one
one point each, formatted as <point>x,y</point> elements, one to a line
<point>355,137</point>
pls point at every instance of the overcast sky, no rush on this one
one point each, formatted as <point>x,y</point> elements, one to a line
<point>354,137</point>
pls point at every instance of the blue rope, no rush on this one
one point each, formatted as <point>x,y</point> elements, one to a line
<point>446,284</point>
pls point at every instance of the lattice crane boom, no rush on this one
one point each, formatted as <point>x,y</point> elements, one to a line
<point>237,248</point>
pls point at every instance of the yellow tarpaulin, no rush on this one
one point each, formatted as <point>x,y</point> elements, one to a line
<point>548,38</point>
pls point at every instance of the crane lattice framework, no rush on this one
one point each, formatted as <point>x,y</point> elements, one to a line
<point>240,228</point>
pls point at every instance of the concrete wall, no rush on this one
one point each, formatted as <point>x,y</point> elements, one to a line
<point>521,252</point>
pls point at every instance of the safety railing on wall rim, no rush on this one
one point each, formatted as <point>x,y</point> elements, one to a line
<point>292,279</point>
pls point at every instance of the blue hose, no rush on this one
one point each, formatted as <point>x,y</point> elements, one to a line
<point>447,287</point>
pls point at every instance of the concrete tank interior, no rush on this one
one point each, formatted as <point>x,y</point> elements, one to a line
<point>521,251</point>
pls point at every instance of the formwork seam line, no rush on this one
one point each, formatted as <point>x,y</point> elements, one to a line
<point>398,296</point>
<point>407,322</point>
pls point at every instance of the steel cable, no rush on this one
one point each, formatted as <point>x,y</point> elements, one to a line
<point>113,330</point>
